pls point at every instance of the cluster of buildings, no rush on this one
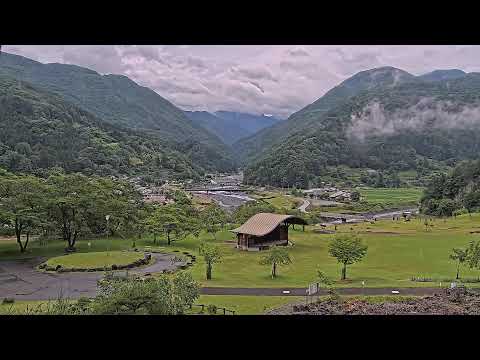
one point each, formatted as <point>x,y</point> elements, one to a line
<point>329,193</point>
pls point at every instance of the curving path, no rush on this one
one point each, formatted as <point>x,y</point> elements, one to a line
<point>19,279</point>
<point>304,206</point>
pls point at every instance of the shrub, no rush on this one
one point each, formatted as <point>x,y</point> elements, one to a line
<point>212,309</point>
<point>8,301</point>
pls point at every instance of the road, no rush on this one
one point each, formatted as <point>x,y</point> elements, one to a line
<point>19,279</point>
<point>304,206</point>
<point>302,291</point>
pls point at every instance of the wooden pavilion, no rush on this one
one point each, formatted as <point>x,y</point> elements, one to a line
<point>264,230</point>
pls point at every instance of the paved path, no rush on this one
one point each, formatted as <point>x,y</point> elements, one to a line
<point>302,291</point>
<point>20,279</point>
<point>304,206</point>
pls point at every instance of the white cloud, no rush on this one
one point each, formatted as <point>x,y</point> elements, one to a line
<point>277,80</point>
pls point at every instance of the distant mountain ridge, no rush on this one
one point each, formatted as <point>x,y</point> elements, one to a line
<point>439,75</point>
<point>382,118</point>
<point>120,101</point>
<point>231,126</point>
<point>253,147</point>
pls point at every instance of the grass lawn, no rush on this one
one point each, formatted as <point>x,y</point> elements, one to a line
<point>400,196</point>
<point>95,259</point>
<point>280,200</point>
<point>397,251</point>
<point>244,305</point>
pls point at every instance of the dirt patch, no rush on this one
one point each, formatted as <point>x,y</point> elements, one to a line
<point>458,301</point>
<point>475,232</point>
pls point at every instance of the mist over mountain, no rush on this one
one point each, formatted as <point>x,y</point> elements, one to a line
<point>395,124</point>
<point>253,147</point>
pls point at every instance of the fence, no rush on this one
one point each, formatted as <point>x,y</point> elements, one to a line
<point>225,310</point>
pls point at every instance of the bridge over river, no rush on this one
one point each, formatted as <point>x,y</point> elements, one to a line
<point>217,189</point>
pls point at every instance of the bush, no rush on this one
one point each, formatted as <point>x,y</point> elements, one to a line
<point>8,301</point>
<point>212,309</point>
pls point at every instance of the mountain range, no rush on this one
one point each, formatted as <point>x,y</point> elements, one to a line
<point>231,126</point>
<point>383,118</point>
<point>40,130</point>
<point>119,101</point>
<point>57,115</point>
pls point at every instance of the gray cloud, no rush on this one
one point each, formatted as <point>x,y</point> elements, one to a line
<point>277,80</point>
<point>427,113</point>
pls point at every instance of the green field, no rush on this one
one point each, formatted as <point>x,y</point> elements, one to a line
<point>95,259</point>
<point>397,251</point>
<point>279,200</point>
<point>393,196</point>
<point>244,305</point>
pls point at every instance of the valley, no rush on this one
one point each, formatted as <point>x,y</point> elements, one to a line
<point>111,193</point>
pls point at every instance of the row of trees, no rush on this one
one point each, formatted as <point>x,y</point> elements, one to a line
<point>458,190</point>
<point>74,206</point>
<point>71,206</point>
<point>346,248</point>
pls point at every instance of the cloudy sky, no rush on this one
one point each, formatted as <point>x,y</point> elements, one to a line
<point>276,80</point>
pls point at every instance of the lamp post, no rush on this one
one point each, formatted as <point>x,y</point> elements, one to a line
<point>108,242</point>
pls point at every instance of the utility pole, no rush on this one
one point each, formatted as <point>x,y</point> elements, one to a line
<point>108,243</point>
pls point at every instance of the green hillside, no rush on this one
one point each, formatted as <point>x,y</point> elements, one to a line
<point>119,101</point>
<point>412,125</point>
<point>39,130</point>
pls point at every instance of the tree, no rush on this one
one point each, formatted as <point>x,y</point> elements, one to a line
<point>162,296</point>
<point>172,218</point>
<point>247,210</point>
<point>276,256</point>
<point>69,204</point>
<point>460,256</point>
<point>22,205</point>
<point>213,218</point>
<point>212,255</point>
<point>473,254</point>
<point>348,249</point>
<point>472,201</point>
<point>355,196</point>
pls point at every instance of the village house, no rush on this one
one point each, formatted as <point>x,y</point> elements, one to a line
<point>264,230</point>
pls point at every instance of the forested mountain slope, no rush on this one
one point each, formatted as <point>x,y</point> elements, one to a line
<point>253,147</point>
<point>385,127</point>
<point>118,100</point>
<point>39,130</point>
